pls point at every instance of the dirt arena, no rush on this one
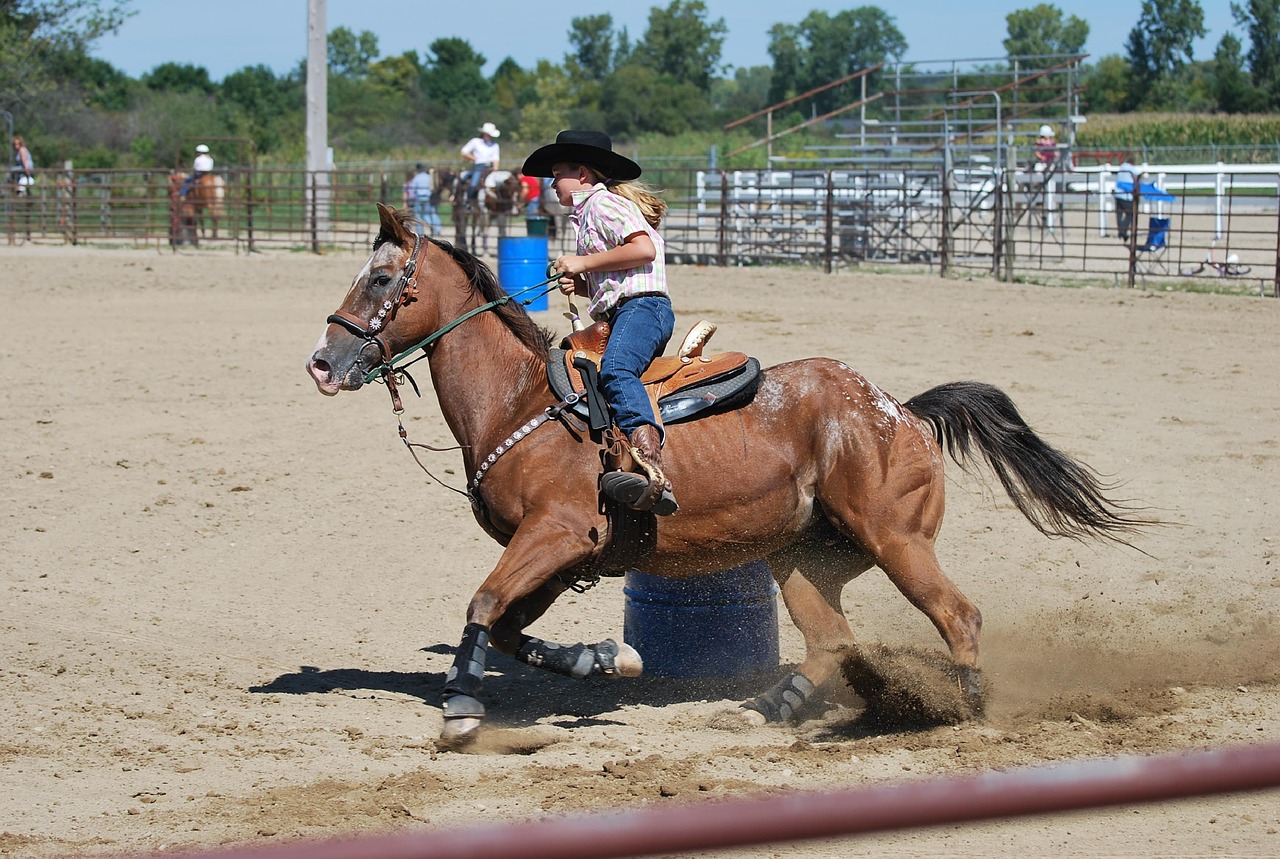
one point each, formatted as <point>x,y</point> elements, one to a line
<point>229,602</point>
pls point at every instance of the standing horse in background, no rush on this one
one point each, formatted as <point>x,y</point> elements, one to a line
<point>205,196</point>
<point>469,218</point>
<point>821,474</point>
<point>501,198</point>
<point>494,202</point>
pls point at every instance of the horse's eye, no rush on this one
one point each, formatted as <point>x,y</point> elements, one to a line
<point>379,280</point>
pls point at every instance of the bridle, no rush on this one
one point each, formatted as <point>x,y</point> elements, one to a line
<point>405,292</point>
<point>389,368</point>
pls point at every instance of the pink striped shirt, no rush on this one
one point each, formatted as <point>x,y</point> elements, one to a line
<point>603,221</point>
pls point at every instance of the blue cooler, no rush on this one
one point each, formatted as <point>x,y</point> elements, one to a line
<point>522,262</point>
<point>717,625</point>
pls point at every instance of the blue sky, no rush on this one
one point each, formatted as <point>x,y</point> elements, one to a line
<point>232,34</point>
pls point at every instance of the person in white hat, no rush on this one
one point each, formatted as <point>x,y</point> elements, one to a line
<point>483,153</point>
<point>1046,148</point>
<point>202,165</point>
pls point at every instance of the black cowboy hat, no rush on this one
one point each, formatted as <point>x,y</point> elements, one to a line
<point>592,148</point>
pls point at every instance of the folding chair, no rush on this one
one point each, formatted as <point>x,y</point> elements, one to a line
<point>1151,253</point>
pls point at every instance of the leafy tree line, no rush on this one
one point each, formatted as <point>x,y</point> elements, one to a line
<point>669,80</point>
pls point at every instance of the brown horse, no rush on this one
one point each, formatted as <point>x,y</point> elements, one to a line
<point>206,196</point>
<point>502,198</point>
<point>822,474</point>
<point>495,202</point>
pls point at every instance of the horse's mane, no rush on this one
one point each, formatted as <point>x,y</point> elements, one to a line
<point>481,277</point>
<point>512,314</point>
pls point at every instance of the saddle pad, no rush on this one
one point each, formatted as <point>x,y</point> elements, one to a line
<point>727,391</point>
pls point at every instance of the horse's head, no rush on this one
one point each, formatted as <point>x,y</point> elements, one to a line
<point>412,291</point>
<point>361,335</point>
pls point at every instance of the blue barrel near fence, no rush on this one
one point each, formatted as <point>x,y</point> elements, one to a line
<point>717,625</point>
<point>522,262</point>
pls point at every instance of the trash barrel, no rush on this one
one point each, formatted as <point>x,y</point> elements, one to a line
<point>536,225</point>
<point>522,262</point>
<point>716,625</point>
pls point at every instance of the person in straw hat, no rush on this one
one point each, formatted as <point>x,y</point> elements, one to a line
<point>620,268</point>
<point>483,152</point>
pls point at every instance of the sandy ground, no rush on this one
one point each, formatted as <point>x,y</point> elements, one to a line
<point>229,602</point>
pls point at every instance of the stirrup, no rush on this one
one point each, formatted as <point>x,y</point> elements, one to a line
<point>628,488</point>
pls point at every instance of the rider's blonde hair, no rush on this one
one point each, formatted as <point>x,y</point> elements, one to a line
<point>651,206</point>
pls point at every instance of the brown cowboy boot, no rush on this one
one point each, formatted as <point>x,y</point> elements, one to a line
<point>647,491</point>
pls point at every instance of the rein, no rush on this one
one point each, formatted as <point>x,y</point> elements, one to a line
<point>390,366</point>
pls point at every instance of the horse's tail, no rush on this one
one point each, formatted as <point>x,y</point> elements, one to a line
<point>1060,496</point>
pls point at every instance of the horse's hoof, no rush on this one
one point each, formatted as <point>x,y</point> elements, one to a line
<point>751,718</point>
<point>458,733</point>
<point>628,661</point>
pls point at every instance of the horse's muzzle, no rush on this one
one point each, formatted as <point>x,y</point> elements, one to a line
<point>330,381</point>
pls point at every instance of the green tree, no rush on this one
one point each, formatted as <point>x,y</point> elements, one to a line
<point>595,46</point>
<point>1231,88</point>
<point>682,44</point>
<point>1106,83</point>
<point>745,93</point>
<point>179,77</point>
<point>637,99</point>
<point>1042,30</point>
<point>823,48</point>
<point>37,37</point>
<point>1159,46</point>
<point>263,103</point>
<point>97,83</point>
<point>1261,18</point>
<point>550,111</point>
<point>455,87</point>
<point>396,74</point>
<point>350,53</point>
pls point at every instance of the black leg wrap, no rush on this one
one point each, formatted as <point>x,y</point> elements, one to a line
<point>575,660</point>
<point>971,686</point>
<point>784,700</point>
<point>466,676</point>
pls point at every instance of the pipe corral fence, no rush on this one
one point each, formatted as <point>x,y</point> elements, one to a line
<point>1216,222</point>
<point>802,816</point>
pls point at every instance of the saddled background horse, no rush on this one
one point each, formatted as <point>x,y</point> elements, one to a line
<point>197,214</point>
<point>822,474</point>
<point>497,200</point>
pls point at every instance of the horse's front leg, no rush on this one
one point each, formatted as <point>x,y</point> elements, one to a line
<point>517,591</point>
<point>606,658</point>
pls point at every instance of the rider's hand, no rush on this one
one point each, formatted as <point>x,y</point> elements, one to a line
<point>570,264</point>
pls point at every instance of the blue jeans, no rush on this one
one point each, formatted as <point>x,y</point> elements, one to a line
<point>473,175</point>
<point>641,327</point>
<point>425,211</point>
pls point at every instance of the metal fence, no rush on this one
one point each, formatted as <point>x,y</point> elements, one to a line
<point>1215,224</point>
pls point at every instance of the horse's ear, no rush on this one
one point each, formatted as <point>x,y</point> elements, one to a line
<point>391,228</point>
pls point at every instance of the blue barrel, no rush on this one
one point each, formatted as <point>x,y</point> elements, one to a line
<point>522,262</point>
<point>717,625</point>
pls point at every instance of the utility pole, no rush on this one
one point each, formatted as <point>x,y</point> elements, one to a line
<point>317,181</point>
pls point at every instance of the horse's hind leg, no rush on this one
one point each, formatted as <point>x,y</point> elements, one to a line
<point>897,522</point>
<point>811,576</point>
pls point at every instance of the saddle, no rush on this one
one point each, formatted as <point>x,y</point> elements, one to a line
<point>680,386</point>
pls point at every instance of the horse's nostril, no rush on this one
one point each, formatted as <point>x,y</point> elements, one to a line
<point>319,370</point>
